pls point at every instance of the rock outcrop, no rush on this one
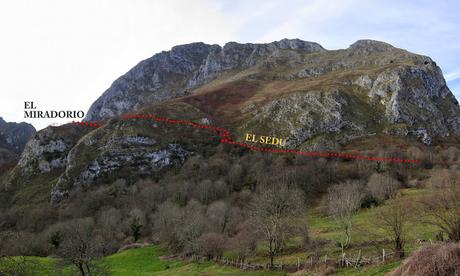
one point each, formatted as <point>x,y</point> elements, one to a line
<point>14,136</point>
<point>296,90</point>
<point>47,150</point>
<point>407,89</point>
<point>174,73</point>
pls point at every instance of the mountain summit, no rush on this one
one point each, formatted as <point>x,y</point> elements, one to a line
<point>296,87</point>
<point>174,73</point>
<point>312,98</point>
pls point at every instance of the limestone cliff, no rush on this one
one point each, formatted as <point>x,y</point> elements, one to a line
<point>297,90</point>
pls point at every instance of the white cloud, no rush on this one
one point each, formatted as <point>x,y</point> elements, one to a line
<point>452,76</point>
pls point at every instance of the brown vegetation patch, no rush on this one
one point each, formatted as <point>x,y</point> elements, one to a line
<point>224,101</point>
<point>439,259</point>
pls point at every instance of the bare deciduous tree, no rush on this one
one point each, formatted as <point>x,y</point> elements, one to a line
<point>394,219</point>
<point>167,222</point>
<point>211,245</point>
<point>245,242</point>
<point>81,246</point>
<point>382,187</point>
<point>442,209</point>
<point>218,214</point>
<point>343,201</point>
<point>235,176</point>
<point>180,227</point>
<point>273,211</point>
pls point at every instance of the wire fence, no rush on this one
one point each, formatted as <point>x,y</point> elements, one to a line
<point>345,260</point>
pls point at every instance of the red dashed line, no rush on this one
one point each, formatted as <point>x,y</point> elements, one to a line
<point>91,124</point>
<point>226,139</point>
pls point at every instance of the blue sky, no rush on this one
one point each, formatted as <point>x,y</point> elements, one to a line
<point>64,54</point>
<point>426,27</point>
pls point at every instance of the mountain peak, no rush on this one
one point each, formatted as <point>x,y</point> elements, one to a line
<point>369,45</point>
<point>283,44</point>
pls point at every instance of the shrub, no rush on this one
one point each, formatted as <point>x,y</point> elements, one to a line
<point>211,245</point>
<point>382,187</point>
<point>439,259</point>
<point>443,178</point>
<point>25,244</point>
<point>245,242</point>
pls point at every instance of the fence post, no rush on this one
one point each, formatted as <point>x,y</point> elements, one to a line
<point>383,255</point>
<point>358,259</point>
<point>325,258</point>
<point>298,263</point>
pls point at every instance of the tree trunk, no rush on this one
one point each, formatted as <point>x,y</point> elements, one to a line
<point>272,260</point>
<point>348,235</point>
<point>399,247</point>
<point>271,254</point>
<point>82,270</point>
<point>87,269</point>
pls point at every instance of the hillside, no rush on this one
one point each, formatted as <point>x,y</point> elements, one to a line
<point>13,138</point>
<point>163,157</point>
<point>314,98</point>
<point>370,86</point>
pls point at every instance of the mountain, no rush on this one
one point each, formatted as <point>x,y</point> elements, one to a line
<point>315,98</point>
<point>369,87</point>
<point>174,73</point>
<point>13,138</point>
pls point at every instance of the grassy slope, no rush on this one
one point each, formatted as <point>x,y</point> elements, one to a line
<point>323,228</point>
<point>145,261</point>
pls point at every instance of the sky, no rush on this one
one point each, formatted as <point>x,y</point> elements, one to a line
<point>63,54</point>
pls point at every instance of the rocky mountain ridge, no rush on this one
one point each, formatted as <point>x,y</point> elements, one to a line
<point>170,74</point>
<point>13,138</point>
<point>15,135</point>
<point>316,98</point>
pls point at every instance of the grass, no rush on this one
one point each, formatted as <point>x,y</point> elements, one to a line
<point>365,232</point>
<point>141,261</point>
<point>368,270</point>
<point>35,265</point>
<point>34,190</point>
<point>146,261</point>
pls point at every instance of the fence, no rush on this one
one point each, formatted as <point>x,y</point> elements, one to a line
<point>344,261</point>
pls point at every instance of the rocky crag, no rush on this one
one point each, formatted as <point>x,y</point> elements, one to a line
<point>408,90</point>
<point>13,138</point>
<point>313,97</point>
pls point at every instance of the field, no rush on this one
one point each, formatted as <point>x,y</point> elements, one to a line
<point>139,261</point>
